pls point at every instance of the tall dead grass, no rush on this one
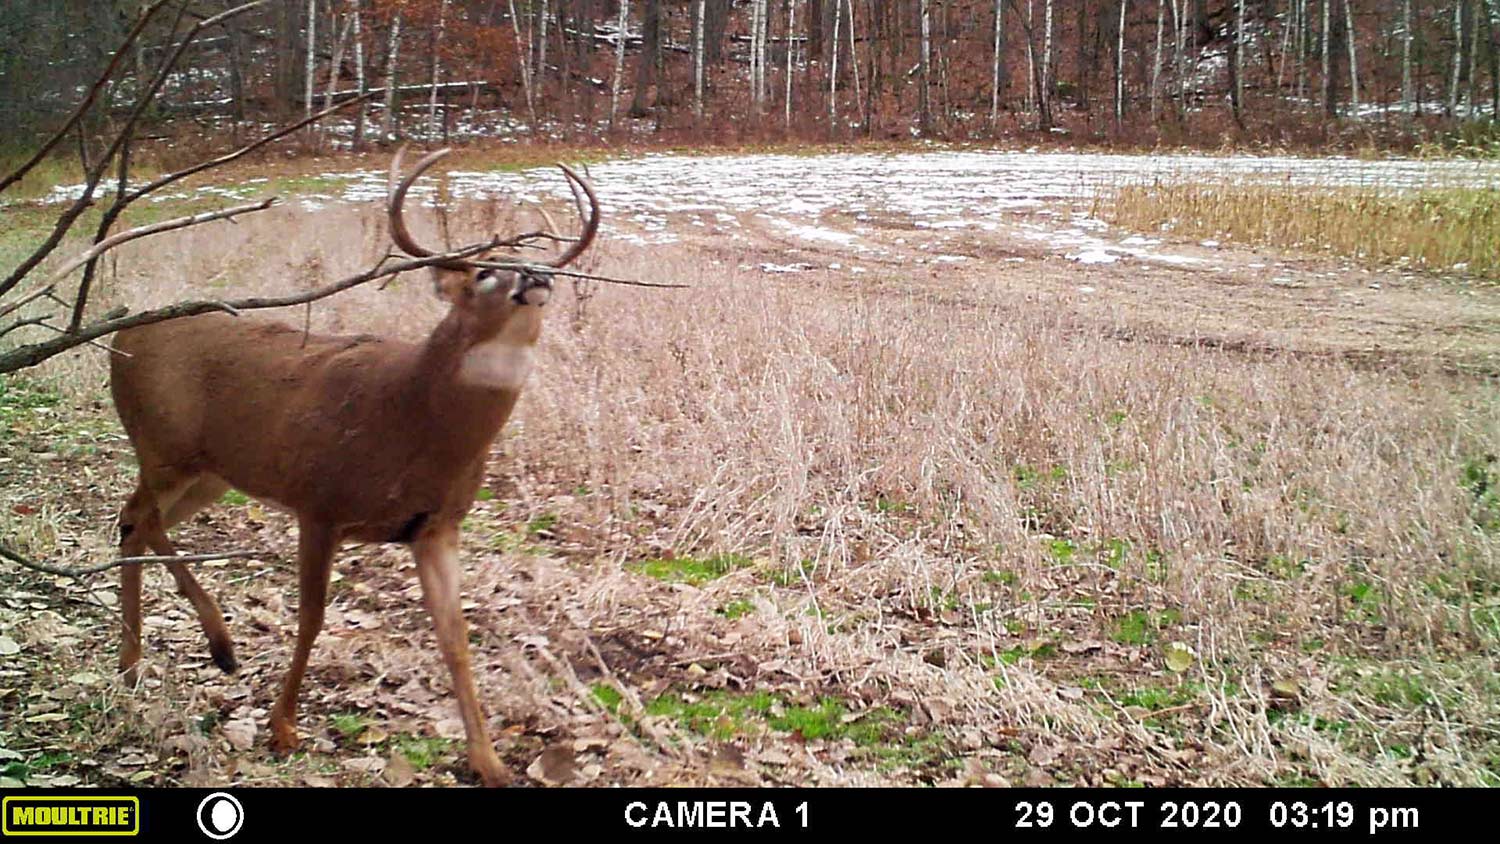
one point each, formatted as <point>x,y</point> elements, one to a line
<point>973,476</point>
<point>1433,228</point>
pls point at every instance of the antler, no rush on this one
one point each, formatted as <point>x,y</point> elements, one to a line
<point>399,232</point>
<point>590,227</point>
<point>402,235</point>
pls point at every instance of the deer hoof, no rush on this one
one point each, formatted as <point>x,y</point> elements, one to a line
<point>490,771</point>
<point>284,738</point>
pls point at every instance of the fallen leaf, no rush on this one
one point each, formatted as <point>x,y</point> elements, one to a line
<point>1287,687</point>
<point>1180,657</point>
<point>450,728</point>
<point>240,733</point>
<point>367,764</point>
<point>727,759</point>
<point>398,771</point>
<point>8,646</point>
<point>555,766</point>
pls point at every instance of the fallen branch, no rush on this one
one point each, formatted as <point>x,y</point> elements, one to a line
<point>81,571</point>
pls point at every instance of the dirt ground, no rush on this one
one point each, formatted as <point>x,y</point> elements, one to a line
<point>641,615</point>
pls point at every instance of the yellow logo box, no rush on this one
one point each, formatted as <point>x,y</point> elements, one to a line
<point>72,816</point>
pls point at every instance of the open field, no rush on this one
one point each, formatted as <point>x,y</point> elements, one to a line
<point>931,478</point>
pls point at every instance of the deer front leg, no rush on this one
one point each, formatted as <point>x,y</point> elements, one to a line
<point>315,547</point>
<point>437,568</point>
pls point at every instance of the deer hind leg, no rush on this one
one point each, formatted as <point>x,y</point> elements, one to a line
<point>437,568</point>
<point>315,547</point>
<point>204,491</point>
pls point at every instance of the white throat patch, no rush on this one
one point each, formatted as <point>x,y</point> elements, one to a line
<point>497,364</point>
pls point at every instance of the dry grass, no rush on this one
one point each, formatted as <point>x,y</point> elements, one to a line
<point>1439,229</point>
<point>984,514</point>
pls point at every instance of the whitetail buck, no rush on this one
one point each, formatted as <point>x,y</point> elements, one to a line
<point>363,438</point>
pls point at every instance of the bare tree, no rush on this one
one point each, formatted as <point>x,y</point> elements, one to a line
<point>791,48</point>
<point>1458,54</point>
<point>924,93</point>
<point>833,72</point>
<point>1406,92</point>
<point>360,82</point>
<point>614,91</point>
<point>996,62</point>
<point>1349,39</point>
<point>391,54</point>
<point>312,55</point>
<point>1046,86</point>
<point>1161,14</point>
<point>437,69</point>
<point>1328,106</point>
<point>1120,68</point>
<point>698,22</point>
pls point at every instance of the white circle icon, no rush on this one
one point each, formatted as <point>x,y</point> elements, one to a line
<point>220,816</point>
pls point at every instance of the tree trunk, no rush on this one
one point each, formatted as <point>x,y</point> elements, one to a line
<point>995,74</point>
<point>437,70</point>
<point>1046,86</point>
<point>1406,92</point>
<point>1120,69</point>
<point>791,47</point>
<point>1328,105</point>
<point>1349,39</point>
<point>925,61</point>
<point>698,21</point>
<point>1458,55</point>
<point>614,95</point>
<point>833,73</point>
<point>284,73</point>
<point>1237,66</point>
<point>645,69</point>
<point>391,127</point>
<point>359,78</point>
<point>312,55</point>
<point>1161,16</point>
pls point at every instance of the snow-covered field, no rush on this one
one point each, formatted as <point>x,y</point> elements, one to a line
<point>830,198</point>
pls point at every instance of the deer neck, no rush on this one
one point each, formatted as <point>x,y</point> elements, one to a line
<point>467,380</point>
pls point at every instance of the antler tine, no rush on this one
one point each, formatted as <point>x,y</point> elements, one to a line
<point>590,226</point>
<point>399,232</point>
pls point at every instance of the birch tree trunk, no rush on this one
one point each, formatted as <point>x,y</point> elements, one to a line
<point>1046,87</point>
<point>995,66</point>
<point>1120,69</point>
<point>391,52</point>
<point>1353,60</point>
<point>924,103</point>
<point>1161,17</point>
<point>1238,94</point>
<point>437,69</point>
<point>1458,55</point>
<point>614,91</point>
<point>833,72</point>
<point>312,55</point>
<point>1473,58</point>
<point>791,27</point>
<point>359,77</point>
<point>698,61</point>
<point>1031,75</point>
<point>1406,93</point>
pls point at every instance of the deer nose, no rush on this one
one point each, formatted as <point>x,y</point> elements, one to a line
<point>532,289</point>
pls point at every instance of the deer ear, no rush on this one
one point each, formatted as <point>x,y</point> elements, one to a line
<point>450,285</point>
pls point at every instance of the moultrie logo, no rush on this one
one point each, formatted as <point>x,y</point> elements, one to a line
<point>58,815</point>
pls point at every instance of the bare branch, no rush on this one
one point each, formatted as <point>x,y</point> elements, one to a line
<point>88,99</point>
<point>146,231</point>
<point>33,354</point>
<point>118,145</point>
<point>62,571</point>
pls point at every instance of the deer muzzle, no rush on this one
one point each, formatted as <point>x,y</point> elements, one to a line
<point>532,289</point>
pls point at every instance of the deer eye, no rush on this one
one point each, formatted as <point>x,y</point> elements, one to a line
<point>488,282</point>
